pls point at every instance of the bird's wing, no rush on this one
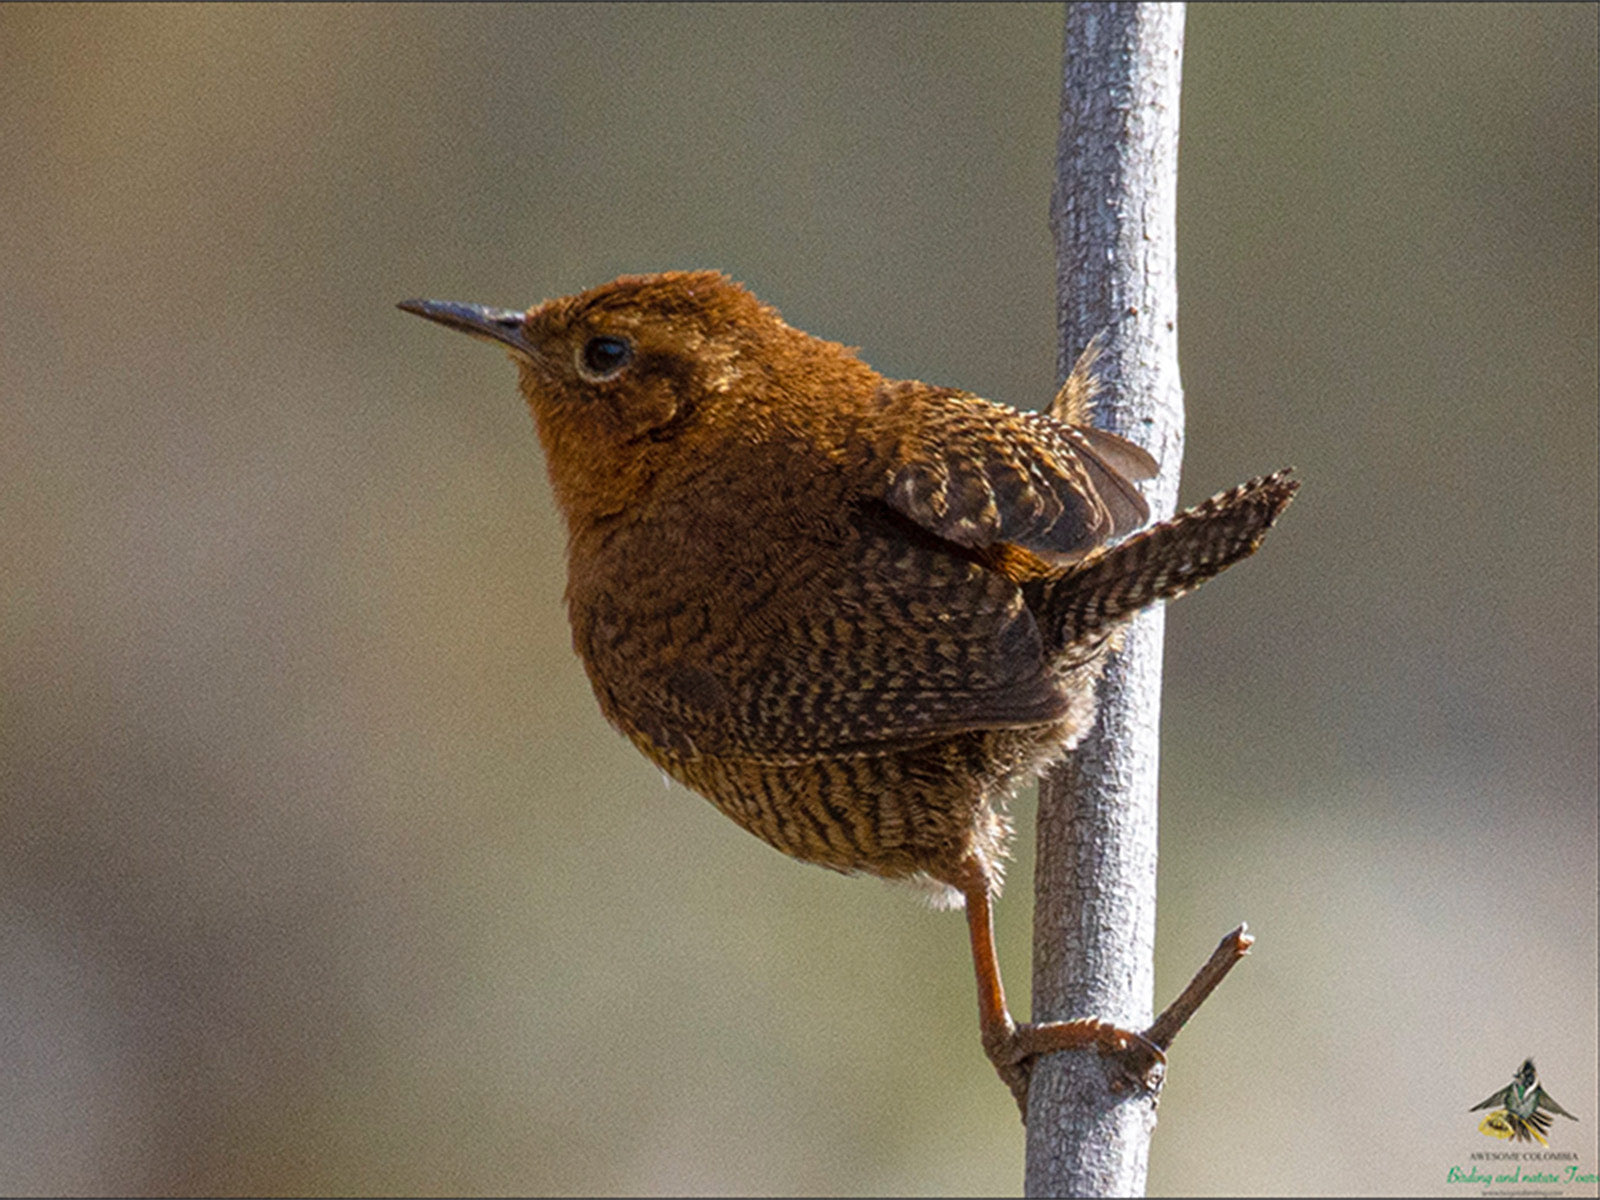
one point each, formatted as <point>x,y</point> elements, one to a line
<point>978,474</point>
<point>898,641</point>
<point>873,611</point>
<point>1499,1099</point>
<point>866,635</point>
<point>1544,1102</point>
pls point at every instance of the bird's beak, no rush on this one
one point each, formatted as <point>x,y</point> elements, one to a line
<point>503,325</point>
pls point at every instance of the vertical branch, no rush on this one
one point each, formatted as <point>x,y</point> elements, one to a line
<point>1113,216</point>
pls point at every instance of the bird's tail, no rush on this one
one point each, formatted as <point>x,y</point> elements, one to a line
<point>1162,562</point>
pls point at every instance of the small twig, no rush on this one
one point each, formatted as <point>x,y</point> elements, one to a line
<point>1141,1065</point>
<point>1176,1015</point>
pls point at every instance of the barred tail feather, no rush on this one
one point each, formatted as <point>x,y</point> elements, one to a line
<point>1162,562</point>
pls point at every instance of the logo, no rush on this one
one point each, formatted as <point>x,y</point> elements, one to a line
<point>1521,1109</point>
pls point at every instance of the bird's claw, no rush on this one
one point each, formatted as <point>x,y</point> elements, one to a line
<point>1135,1063</point>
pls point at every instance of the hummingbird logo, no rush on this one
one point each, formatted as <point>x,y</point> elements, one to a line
<point>1522,1110</point>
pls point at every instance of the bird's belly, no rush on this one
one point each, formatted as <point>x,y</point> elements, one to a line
<point>905,812</point>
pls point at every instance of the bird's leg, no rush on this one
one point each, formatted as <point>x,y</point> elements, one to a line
<point>1012,1047</point>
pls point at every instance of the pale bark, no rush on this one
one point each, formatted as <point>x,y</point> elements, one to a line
<point>1113,216</point>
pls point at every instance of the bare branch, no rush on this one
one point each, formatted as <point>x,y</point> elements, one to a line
<point>1113,216</point>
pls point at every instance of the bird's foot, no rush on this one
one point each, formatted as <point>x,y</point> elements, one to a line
<point>1134,1060</point>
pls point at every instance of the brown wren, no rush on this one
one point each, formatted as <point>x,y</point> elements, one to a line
<point>852,612</point>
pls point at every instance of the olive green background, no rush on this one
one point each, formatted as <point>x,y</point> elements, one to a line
<point>319,870</point>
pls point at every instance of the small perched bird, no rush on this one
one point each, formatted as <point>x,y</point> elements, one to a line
<point>852,612</point>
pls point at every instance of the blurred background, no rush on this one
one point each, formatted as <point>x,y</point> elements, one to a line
<point>319,869</point>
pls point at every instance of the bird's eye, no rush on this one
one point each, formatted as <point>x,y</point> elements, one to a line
<point>602,357</point>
